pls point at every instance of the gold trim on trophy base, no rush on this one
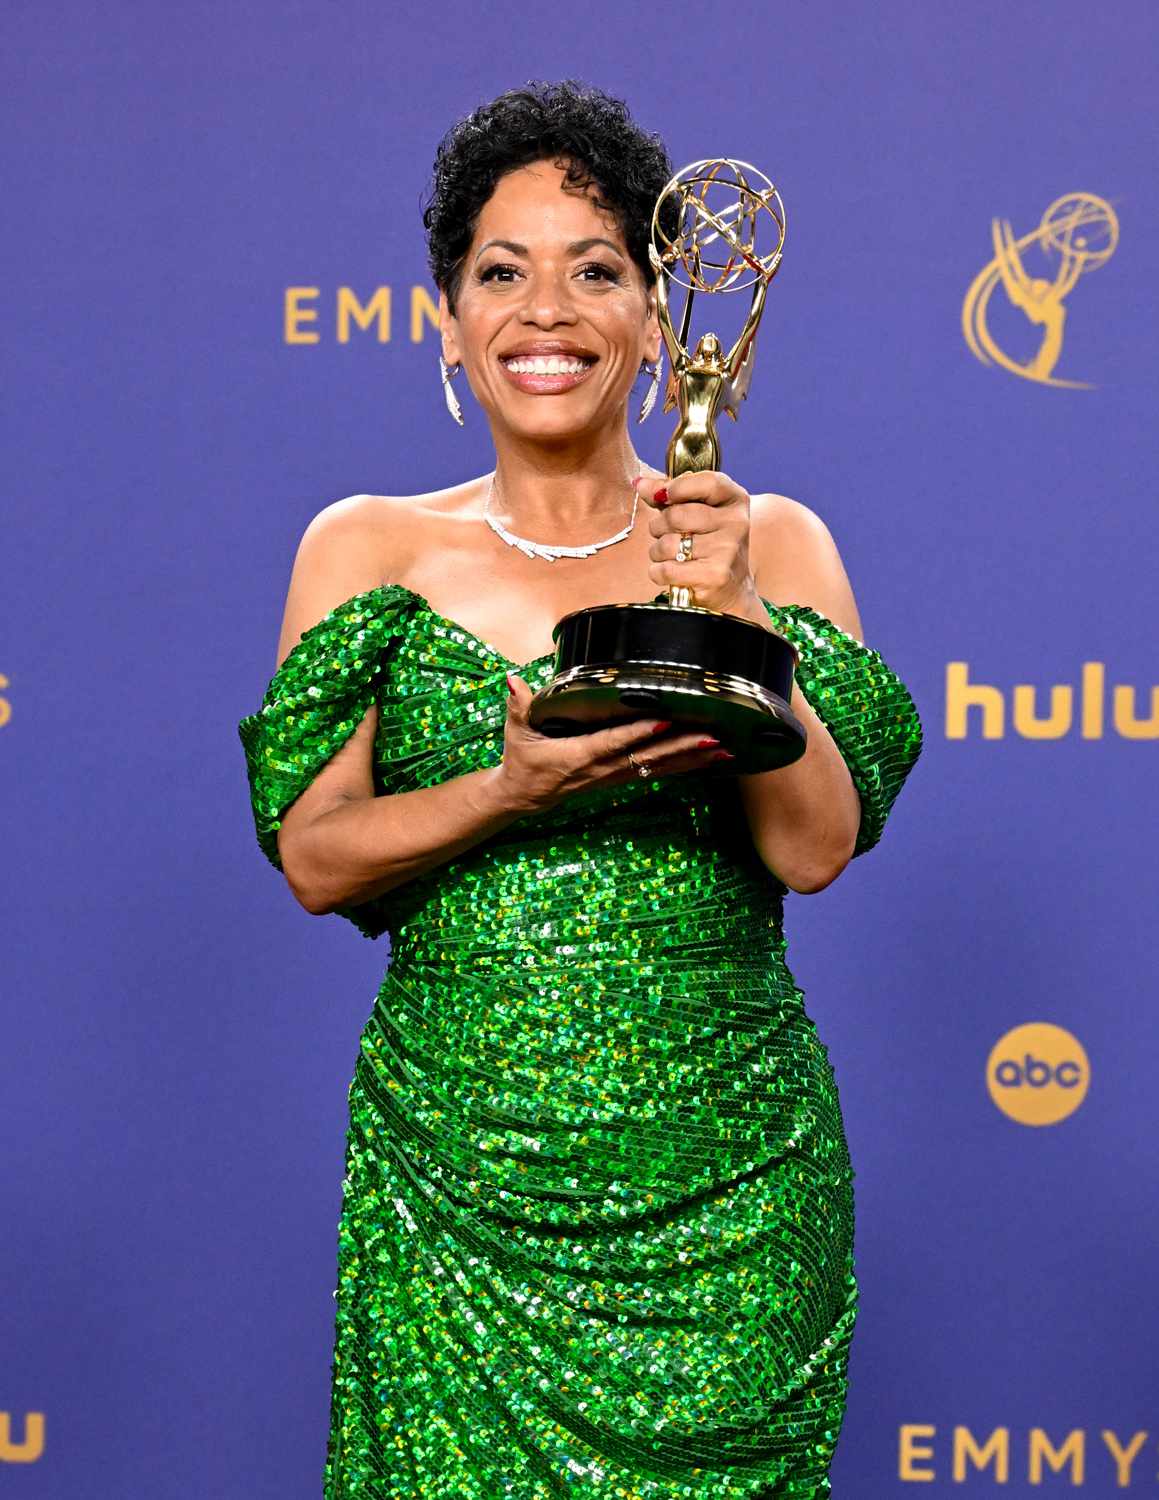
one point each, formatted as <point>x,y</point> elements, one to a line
<point>758,727</point>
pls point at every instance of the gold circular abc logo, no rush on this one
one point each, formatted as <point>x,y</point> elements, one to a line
<point>1038,1073</point>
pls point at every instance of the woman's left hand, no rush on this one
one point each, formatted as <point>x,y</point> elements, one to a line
<point>713,510</point>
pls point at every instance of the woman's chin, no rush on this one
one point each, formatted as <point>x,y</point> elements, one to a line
<point>554,421</point>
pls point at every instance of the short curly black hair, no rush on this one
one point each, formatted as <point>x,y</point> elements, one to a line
<point>583,130</point>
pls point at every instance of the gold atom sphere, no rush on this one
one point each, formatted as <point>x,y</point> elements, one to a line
<point>723,207</point>
<point>1083,226</point>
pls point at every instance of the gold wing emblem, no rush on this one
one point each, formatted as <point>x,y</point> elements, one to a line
<point>671,390</point>
<point>736,389</point>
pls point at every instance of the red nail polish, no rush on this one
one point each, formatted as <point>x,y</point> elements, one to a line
<point>510,683</point>
<point>661,496</point>
<point>663,724</point>
<point>724,755</point>
<point>704,744</point>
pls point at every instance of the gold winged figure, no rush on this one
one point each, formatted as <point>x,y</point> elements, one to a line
<point>707,379</point>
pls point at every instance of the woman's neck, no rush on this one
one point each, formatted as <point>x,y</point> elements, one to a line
<point>564,491</point>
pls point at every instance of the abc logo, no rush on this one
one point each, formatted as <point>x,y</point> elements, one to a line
<point>1038,1073</point>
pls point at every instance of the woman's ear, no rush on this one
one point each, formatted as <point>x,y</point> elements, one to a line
<point>448,332</point>
<point>654,341</point>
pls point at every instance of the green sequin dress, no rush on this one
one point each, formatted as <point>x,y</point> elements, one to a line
<point>596,1235</point>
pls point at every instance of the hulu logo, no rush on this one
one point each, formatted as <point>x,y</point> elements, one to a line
<point>30,1447</point>
<point>1063,708</point>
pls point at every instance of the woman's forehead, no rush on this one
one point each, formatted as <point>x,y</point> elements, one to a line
<point>530,205</point>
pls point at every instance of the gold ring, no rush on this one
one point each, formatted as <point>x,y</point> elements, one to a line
<point>684,550</point>
<point>643,769</point>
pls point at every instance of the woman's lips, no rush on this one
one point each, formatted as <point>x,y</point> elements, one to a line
<point>544,383</point>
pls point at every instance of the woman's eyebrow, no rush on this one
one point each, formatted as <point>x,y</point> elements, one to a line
<point>502,245</point>
<point>577,247</point>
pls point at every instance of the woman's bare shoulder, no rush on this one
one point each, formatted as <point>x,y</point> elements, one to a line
<point>361,542</point>
<point>351,545</point>
<point>786,536</point>
<point>385,530</point>
<point>795,560</point>
<point>403,524</point>
<point>780,513</point>
<point>364,515</point>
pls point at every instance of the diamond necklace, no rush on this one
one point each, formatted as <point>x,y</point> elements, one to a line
<point>542,549</point>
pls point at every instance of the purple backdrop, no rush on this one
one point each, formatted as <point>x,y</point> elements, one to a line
<point>180,1035</point>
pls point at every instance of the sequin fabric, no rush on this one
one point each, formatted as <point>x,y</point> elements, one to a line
<point>596,1234</point>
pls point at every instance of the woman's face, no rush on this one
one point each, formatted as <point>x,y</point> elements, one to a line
<point>552,317</point>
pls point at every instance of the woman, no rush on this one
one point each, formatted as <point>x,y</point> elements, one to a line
<point>596,1234</point>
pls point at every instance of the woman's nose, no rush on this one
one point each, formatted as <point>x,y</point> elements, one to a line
<point>548,302</point>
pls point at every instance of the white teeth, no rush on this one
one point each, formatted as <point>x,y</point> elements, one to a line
<point>552,364</point>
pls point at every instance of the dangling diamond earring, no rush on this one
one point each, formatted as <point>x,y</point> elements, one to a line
<point>650,395</point>
<point>448,373</point>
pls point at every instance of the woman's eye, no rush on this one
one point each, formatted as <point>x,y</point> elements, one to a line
<point>505,273</point>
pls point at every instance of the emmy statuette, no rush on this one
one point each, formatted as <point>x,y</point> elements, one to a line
<point>671,657</point>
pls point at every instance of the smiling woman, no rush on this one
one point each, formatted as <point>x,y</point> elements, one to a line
<point>554,311</point>
<point>597,1224</point>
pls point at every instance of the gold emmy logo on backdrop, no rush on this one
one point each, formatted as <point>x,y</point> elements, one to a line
<point>1038,1073</point>
<point>1003,1450</point>
<point>1082,230</point>
<point>306,319</point>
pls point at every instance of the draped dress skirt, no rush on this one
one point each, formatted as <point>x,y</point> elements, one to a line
<point>596,1235</point>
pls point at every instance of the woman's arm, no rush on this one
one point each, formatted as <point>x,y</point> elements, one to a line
<point>339,843</point>
<point>803,817</point>
<point>334,837</point>
<point>339,850</point>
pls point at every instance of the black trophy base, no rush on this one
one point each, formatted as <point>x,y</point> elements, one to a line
<point>696,667</point>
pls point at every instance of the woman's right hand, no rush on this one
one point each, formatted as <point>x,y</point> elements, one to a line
<point>539,771</point>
